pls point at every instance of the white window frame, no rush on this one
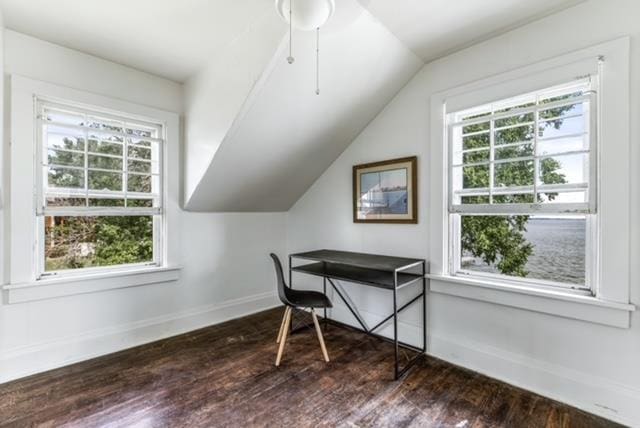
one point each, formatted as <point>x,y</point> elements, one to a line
<point>588,208</point>
<point>41,211</point>
<point>609,304</point>
<point>22,201</point>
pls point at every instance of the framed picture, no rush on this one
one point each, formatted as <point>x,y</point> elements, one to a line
<point>386,192</point>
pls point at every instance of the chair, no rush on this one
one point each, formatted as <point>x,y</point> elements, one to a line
<point>297,299</point>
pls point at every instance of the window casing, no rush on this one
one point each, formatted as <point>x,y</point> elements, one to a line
<point>93,164</point>
<point>530,155</point>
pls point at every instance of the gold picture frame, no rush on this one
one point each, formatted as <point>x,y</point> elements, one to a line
<point>386,192</point>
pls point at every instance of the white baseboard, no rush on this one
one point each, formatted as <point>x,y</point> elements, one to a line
<point>38,358</point>
<point>592,394</point>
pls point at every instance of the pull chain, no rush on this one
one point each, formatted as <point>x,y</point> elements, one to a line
<point>318,61</point>
<point>290,59</point>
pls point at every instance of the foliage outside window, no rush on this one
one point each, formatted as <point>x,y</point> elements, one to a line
<point>522,188</point>
<point>99,192</point>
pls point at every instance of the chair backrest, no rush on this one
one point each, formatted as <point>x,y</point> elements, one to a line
<point>282,286</point>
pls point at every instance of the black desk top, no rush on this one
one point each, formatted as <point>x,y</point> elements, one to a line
<point>363,260</point>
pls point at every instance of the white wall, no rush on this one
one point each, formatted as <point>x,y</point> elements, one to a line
<point>588,365</point>
<point>226,269</point>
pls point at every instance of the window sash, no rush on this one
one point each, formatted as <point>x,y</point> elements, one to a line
<point>44,191</point>
<point>588,288</point>
<point>455,128</point>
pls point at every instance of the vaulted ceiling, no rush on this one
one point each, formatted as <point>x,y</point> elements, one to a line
<point>256,134</point>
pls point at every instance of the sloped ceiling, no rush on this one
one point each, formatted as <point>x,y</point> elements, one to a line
<point>286,135</point>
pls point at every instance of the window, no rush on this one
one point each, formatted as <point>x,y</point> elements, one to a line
<point>99,189</point>
<point>522,187</point>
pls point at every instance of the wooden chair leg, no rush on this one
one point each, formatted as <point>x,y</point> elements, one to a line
<point>284,317</point>
<point>283,339</point>
<point>320,338</point>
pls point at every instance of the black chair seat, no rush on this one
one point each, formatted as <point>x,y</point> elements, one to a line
<point>308,299</point>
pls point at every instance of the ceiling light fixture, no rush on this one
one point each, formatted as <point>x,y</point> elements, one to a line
<point>306,15</point>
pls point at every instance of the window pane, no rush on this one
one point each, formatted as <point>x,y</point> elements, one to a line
<point>100,180</point>
<point>562,127</point>
<point>61,157</point>
<point>512,152</point>
<point>574,197</point>
<point>140,142</point>
<point>140,132</point>
<point>105,124</point>
<point>562,145</point>
<point>562,111</point>
<point>476,156</point>
<point>519,134</point>
<point>476,141</point>
<point>140,166</point>
<point>65,177</point>
<point>512,105</point>
<point>568,169</point>
<point>552,98</point>
<point>139,183</point>
<point>514,120</point>
<point>542,248</point>
<point>80,242</point>
<point>106,202</point>
<point>61,141</point>
<point>476,127</point>
<point>66,202</point>
<point>140,203</point>
<point>105,147</point>
<point>474,200</point>
<point>139,152</point>
<point>105,162</point>
<point>474,177</point>
<point>97,135</point>
<point>520,198</point>
<point>511,174</point>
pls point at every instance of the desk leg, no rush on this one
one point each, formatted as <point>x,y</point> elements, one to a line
<point>324,290</point>
<point>395,321</point>
<point>424,308</point>
<point>291,286</point>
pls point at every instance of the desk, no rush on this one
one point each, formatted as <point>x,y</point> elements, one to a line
<point>385,272</point>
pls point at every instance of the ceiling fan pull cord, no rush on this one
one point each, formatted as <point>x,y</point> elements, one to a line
<point>318,61</point>
<point>290,59</point>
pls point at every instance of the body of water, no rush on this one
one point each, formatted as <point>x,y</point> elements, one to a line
<point>558,251</point>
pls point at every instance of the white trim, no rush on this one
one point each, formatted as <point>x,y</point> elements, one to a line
<point>590,393</point>
<point>28,360</point>
<point>68,285</point>
<point>560,303</point>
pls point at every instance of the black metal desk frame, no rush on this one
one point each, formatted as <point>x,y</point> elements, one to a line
<point>353,267</point>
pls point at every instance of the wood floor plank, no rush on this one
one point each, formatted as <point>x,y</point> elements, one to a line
<point>224,376</point>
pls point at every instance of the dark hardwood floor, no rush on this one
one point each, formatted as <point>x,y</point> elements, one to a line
<point>224,375</point>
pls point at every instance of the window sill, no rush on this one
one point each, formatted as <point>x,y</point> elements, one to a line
<point>564,304</point>
<point>80,284</point>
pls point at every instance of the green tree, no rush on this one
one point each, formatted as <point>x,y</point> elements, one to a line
<point>499,240</point>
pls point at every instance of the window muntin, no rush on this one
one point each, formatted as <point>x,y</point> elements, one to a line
<point>507,153</point>
<point>527,164</point>
<point>100,179</point>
